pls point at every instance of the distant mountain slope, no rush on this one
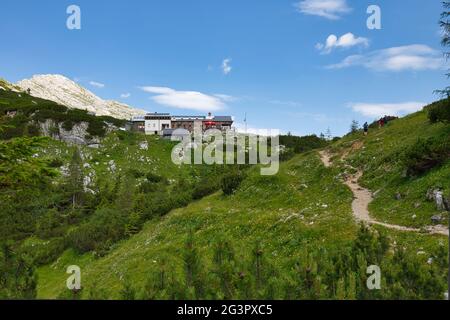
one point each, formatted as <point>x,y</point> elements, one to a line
<point>5,85</point>
<point>66,92</point>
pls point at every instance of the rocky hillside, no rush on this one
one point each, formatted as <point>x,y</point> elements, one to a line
<point>5,85</point>
<point>66,92</point>
<point>25,115</point>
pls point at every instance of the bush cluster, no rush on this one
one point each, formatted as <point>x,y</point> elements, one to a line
<point>231,182</point>
<point>426,154</point>
<point>439,111</point>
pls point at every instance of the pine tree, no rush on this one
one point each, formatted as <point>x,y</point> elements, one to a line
<point>133,225</point>
<point>328,134</point>
<point>225,268</point>
<point>128,292</point>
<point>263,272</point>
<point>96,293</point>
<point>161,284</point>
<point>445,26</point>
<point>126,195</point>
<point>257,255</point>
<point>18,279</point>
<point>193,269</point>
<point>75,179</point>
<point>351,287</point>
<point>354,127</point>
<point>340,290</point>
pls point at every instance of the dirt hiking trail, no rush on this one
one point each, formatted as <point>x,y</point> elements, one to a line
<point>362,199</point>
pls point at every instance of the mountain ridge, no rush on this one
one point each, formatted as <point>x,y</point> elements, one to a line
<point>62,90</point>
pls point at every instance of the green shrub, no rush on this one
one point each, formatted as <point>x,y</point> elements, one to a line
<point>105,226</point>
<point>49,225</point>
<point>287,154</point>
<point>153,178</point>
<point>55,163</point>
<point>205,187</point>
<point>33,130</point>
<point>302,144</point>
<point>127,136</point>
<point>67,125</point>
<point>96,128</point>
<point>136,173</point>
<point>46,252</point>
<point>439,111</point>
<point>231,182</point>
<point>54,130</point>
<point>426,154</point>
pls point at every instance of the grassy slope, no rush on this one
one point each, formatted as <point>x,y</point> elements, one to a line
<point>304,205</point>
<point>126,154</point>
<point>256,212</point>
<point>384,172</point>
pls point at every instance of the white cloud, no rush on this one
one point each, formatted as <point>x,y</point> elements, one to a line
<point>125,95</point>
<point>226,68</point>
<point>225,97</point>
<point>413,57</point>
<point>192,100</point>
<point>252,130</point>
<point>391,109</point>
<point>330,9</point>
<point>96,84</point>
<point>348,40</point>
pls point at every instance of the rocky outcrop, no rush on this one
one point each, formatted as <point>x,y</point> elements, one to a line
<point>437,196</point>
<point>143,145</point>
<point>78,135</point>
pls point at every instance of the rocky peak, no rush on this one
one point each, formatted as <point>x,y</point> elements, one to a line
<point>66,92</point>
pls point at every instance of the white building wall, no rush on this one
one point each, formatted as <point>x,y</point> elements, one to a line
<point>155,126</point>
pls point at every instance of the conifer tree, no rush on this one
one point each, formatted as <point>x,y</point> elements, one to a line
<point>193,269</point>
<point>351,287</point>
<point>18,279</point>
<point>75,179</point>
<point>258,266</point>
<point>340,290</point>
<point>225,268</point>
<point>96,293</point>
<point>126,195</point>
<point>445,26</point>
<point>354,127</point>
<point>128,292</point>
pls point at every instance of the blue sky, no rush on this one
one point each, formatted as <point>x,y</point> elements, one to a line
<point>269,59</point>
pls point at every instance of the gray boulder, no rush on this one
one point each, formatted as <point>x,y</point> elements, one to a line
<point>437,196</point>
<point>436,219</point>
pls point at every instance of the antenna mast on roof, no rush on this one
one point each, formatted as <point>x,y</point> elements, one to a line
<point>245,122</point>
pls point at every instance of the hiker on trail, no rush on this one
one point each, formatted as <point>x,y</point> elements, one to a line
<point>366,128</point>
<point>381,123</point>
